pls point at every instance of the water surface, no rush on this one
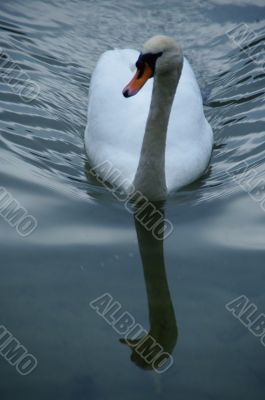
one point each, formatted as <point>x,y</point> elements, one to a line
<point>86,243</point>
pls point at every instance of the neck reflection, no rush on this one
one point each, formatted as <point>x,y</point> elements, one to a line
<point>163,332</point>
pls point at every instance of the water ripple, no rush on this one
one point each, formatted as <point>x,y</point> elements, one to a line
<point>59,54</point>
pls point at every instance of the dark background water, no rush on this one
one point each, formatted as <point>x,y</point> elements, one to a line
<point>86,243</point>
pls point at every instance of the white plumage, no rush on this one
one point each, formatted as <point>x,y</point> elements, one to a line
<point>116,125</point>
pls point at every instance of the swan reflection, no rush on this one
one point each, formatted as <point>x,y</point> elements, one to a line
<point>163,332</point>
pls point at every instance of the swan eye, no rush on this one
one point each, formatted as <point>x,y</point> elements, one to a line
<point>147,58</point>
<point>145,69</point>
<point>140,67</point>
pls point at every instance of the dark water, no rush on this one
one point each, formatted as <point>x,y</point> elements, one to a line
<point>86,242</point>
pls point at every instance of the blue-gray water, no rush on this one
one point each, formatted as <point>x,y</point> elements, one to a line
<point>86,244</point>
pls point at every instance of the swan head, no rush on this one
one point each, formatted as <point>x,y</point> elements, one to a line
<point>160,55</point>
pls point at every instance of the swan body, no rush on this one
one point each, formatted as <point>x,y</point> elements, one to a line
<point>175,153</point>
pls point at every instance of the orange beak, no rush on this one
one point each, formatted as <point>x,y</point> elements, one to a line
<point>138,81</point>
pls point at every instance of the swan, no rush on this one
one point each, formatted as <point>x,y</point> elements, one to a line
<point>157,141</point>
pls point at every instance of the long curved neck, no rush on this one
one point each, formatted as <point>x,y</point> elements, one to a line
<point>150,176</point>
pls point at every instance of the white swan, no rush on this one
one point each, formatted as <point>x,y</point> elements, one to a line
<point>158,140</point>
